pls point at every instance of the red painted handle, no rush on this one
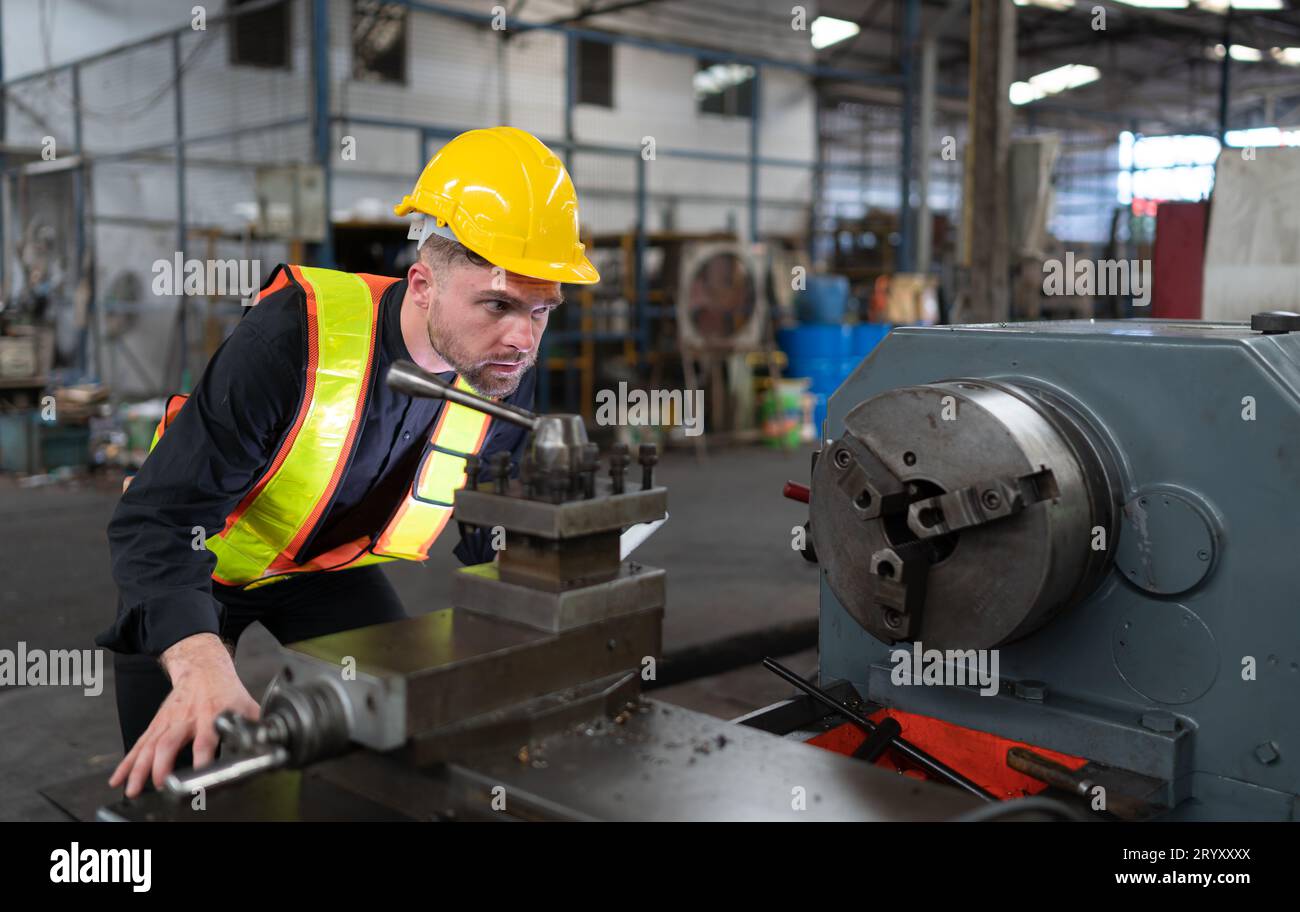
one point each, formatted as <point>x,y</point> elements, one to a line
<point>795,491</point>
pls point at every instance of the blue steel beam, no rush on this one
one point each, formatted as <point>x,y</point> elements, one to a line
<point>179,111</point>
<point>321,119</point>
<point>755,128</point>
<point>911,19</point>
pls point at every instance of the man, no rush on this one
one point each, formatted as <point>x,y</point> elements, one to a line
<point>293,470</point>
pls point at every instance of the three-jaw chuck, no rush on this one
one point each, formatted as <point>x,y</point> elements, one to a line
<point>964,514</point>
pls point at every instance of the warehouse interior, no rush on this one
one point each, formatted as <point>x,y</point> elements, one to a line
<point>819,229</point>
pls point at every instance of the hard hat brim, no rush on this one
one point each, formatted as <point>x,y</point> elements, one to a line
<point>583,273</point>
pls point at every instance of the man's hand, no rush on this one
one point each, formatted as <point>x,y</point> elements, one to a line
<point>204,684</point>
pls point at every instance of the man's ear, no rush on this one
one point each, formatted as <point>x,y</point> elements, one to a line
<point>420,284</point>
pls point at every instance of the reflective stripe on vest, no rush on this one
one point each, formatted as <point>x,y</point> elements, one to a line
<point>460,431</point>
<point>286,504</point>
<point>263,535</point>
<point>422,515</point>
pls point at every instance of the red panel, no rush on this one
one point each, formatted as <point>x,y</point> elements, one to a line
<point>1178,270</point>
<point>978,755</point>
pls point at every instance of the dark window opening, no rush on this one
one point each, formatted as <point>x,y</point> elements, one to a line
<point>724,88</point>
<point>595,73</point>
<point>260,38</point>
<point>378,41</point>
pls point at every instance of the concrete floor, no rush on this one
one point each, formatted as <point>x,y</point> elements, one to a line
<point>726,549</point>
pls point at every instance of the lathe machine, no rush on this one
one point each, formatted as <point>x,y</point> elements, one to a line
<point>1057,559</point>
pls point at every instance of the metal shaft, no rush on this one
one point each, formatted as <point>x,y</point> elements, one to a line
<point>185,784</point>
<point>407,378</point>
<point>911,751</point>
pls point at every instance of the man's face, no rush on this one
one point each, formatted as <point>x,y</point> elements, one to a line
<point>487,324</point>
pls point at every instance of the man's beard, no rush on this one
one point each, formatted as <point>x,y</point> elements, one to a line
<point>477,371</point>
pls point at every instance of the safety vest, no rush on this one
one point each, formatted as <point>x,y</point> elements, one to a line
<point>264,536</point>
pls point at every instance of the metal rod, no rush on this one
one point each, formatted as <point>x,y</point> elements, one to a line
<point>929,81</point>
<point>911,751</point>
<point>570,99</point>
<point>755,134</point>
<point>184,784</point>
<point>79,207</point>
<point>321,121</point>
<point>907,51</point>
<point>642,302</point>
<point>443,131</point>
<point>1225,79</point>
<point>178,113</point>
<point>405,377</point>
<point>924,227</point>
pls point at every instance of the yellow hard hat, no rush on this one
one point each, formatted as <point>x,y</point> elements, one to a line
<point>509,199</point>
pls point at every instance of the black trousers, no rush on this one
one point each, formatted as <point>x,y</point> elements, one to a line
<point>310,605</point>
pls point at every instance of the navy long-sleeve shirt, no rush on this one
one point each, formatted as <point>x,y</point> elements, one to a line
<point>224,439</point>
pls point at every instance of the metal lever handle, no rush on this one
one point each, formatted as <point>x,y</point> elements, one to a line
<point>406,377</point>
<point>184,785</point>
<point>930,764</point>
<point>255,753</point>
